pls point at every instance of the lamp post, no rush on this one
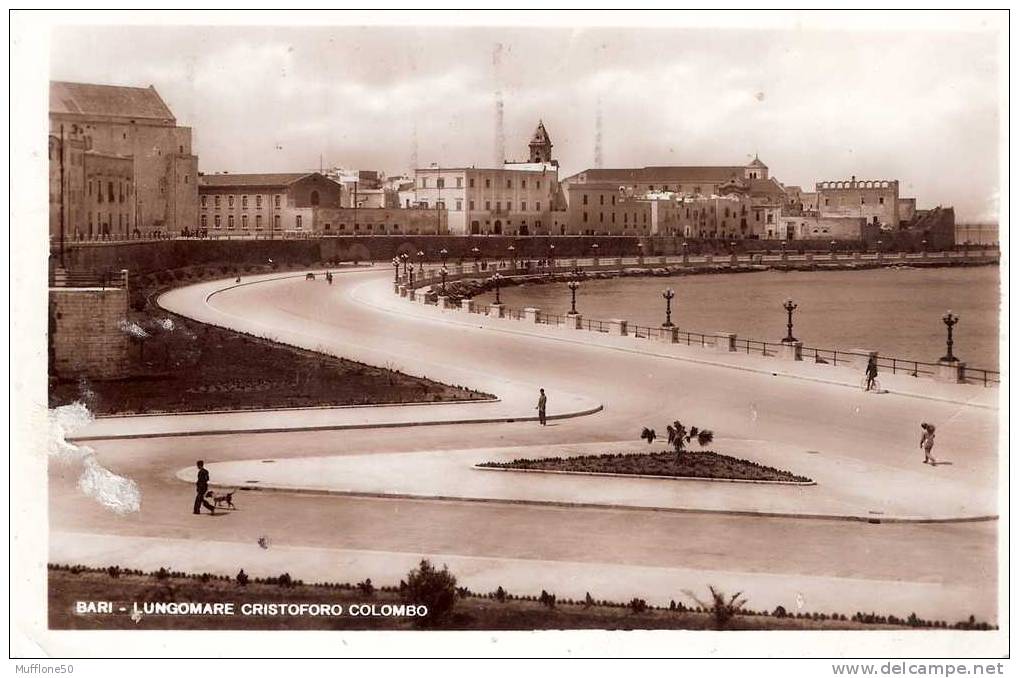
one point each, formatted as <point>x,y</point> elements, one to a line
<point>444,253</point>
<point>421,262</point>
<point>879,248</point>
<point>443,272</point>
<point>551,258</point>
<point>831,245</point>
<point>475,251</point>
<point>513,255</point>
<point>594,254</point>
<point>950,321</point>
<point>686,251</point>
<point>573,285</point>
<point>640,252</point>
<point>396,271</point>
<point>669,294</point>
<point>789,306</point>
<point>923,245</point>
<point>403,258</point>
<point>496,279</point>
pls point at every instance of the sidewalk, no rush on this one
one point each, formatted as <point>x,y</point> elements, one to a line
<point>381,296</point>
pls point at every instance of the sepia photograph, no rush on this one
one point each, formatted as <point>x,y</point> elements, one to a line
<point>514,322</point>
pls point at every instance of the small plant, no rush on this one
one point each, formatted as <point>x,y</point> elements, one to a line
<point>679,436</point>
<point>722,609</point>
<point>435,589</point>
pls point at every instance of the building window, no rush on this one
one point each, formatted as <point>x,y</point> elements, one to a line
<point>258,222</point>
<point>90,193</point>
<point>276,200</point>
<point>470,182</point>
<point>509,183</point>
<point>537,206</point>
<point>230,201</point>
<point>470,205</point>
<point>601,199</point>
<point>488,205</point>
<point>109,189</point>
<point>205,221</point>
<point>244,221</point>
<point>826,202</point>
<point>863,201</point>
<point>459,182</point>
<point>314,198</point>
<point>424,182</point>
<point>230,222</point>
<point>459,205</point>
<point>244,201</point>
<point>523,183</point>
<point>613,200</point>
<point>258,201</point>
<point>880,201</point>
<point>488,183</point>
<point>585,217</point>
<point>298,222</point>
<point>440,183</point>
<point>187,179</point>
<point>276,222</point>
<point>216,201</point>
<point>601,217</point>
<point>523,206</point>
<point>585,198</point>
<point>537,184</point>
<point>217,221</point>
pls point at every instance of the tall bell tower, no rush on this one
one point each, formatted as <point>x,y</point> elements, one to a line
<point>540,146</point>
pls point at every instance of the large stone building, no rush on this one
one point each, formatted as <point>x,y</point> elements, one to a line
<point>122,142</point>
<point>692,180</point>
<point>875,201</point>
<point>519,198</point>
<point>264,203</point>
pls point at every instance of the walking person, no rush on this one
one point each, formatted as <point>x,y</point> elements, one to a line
<point>541,406</point>
<point>201,487</point>
<point>871,373</point>
<point>927,443</point>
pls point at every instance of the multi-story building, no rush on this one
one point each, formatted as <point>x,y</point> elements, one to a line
<point>119,128</point>
<point>686,180</point>
<point>264,203</point>
<point>875,201</point>
<point>519,198</point>
<point>605,209</point>
<point>379,221</point>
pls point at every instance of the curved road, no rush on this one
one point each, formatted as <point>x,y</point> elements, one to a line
<point>859,448</point>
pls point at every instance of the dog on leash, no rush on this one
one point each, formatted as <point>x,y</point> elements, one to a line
<point>219,500</point>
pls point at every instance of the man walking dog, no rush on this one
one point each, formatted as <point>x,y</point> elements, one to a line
<point>201,487</point>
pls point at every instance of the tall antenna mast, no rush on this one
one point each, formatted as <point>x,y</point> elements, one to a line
<point>597,135</point>
<point>500,136</point>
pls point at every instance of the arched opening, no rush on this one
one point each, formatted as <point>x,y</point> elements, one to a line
<point>497,228</point>
<point>314,198</point>
<point>523,228</point>
<point>475,227</point>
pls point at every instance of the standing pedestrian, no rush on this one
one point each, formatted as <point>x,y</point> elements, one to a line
<point>201,487</point>
<point>927,443</point>
<point>541,406</point>
<point>871,372</point>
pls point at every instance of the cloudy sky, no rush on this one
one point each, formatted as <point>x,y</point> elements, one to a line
<point>815,104</point>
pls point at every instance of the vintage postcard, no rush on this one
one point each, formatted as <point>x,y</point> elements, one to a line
<point>511,322</point>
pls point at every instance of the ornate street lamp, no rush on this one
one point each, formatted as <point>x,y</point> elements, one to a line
<point>640,252</point>
<point>513,254</point>
<point>421,262</point>
<point>404,258</point>
<point>444,253</point>
<point>476,252</point>
<point>551,257</point>
<point>396,271</point>
<point>496,279</point>
<point>923,244</point>
<point>573,285</point>
<point>669,294</point>
<point>832,246</point>
<point>950,321</point>
<point>594,252</point>
<point>879,246</point>
<point>443,272</point>
<point>789,306</point>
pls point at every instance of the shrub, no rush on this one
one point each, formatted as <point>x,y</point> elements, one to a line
<point>723,609</point>
<point>366,587</point>
<point>500,594</point>
<point>435,589</point>
<point>547,599</point>
<point>638,605</point>
<point>588,600</point>
<point>113,571</point>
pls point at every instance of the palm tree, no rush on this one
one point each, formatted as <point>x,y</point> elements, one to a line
<point>722,609</point>
<point>679,436</point>
<point>648,434</point>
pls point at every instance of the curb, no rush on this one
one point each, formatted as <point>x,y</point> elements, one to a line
<point>792,483</point>
<point>871,519</point>
<point>336,427</point>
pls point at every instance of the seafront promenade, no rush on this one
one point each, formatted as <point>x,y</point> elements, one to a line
<point>408,470</point>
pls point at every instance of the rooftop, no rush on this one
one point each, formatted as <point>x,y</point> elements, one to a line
<point>76,98</point>
<point>227,179</point>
